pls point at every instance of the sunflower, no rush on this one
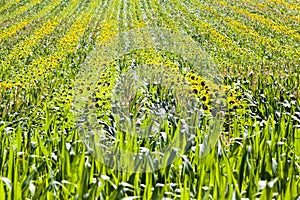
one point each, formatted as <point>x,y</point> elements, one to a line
<point>206,108</point>
<point>235,106</point>
<point>202,83</point>
<point>205,98</point>
<point>231,100</point>
<point>192,77</point>
<point>196,89</point>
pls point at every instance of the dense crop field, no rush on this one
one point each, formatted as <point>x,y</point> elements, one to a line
<point>254,45</point>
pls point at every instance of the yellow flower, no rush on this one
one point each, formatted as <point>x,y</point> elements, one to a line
<point>196,89</point>
<point>235,105</point>
<point>206,107</point>
<point>205,98</point>
<point>231,100</point>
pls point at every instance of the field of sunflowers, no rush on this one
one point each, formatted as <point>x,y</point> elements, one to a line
<point>255,48</point>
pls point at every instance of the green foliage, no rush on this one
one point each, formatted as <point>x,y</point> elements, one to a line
<point>42,155</point>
